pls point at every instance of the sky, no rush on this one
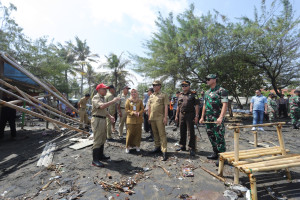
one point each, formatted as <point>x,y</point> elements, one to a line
<point>114,26</point>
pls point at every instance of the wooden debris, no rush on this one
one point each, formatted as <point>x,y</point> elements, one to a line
<point>47,155</point>
<point>82,144</point>
<point>116,186</point>
<point>214,175</point>
<point>165,170</point>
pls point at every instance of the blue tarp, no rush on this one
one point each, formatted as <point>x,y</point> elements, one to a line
<point>13,73</point>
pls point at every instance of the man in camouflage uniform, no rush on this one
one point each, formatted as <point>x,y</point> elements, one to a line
<point>111,110</point>
<point>188,114</point>
<point>158,112</point>
<point>214,110</point>
<point>295,109</point>
<point>272,106</point>
<point>98,123</point>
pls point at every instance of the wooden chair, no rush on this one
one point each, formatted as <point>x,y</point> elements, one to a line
<point>249,161</point>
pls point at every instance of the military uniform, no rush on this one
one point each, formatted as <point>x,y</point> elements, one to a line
<point>111,111</point>
<point>295,111</point>
<point>186,112</point>
<point>272,106</point>
<point>123,99</point>
<point>213,100</point>
<point>157,102</point>
<point>98,121</point>
<point>82,112</point>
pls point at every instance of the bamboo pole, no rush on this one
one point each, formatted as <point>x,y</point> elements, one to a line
<point>35,79</point>
<point>231,153</point>
<point>261,159</point>
<point>271,162</point>
<point>36,100</point>
<point>30,102</point>
<point>253,155</point>
<point>20,101</point>
<point>40,116</point>
<point>255,138</point>
<point>270,168</point>
<point>280,138</point>
<point>214,175</point>
<point>236,154</point>
<point>257,125</point>
<point>253,187</point>
<point>221,166</point>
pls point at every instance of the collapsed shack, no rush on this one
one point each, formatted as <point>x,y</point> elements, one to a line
<point>22,85</point>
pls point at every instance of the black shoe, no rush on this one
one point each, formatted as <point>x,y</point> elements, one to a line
<point>110,140</point>
<point>295,126</point>
<point>213,156</point>
<point>181,149</point>
<point>165,157</point>
<point>96,161</point>
<point>156,150</point>
<point>192,152</point>
<point>101,154</point>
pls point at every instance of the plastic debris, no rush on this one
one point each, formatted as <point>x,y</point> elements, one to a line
<point>146,169</point>
<point>230,194</point>
<point>187,172</point>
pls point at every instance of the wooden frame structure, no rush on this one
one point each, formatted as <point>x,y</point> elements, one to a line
<point>26,98</point>
<point>249,161</point>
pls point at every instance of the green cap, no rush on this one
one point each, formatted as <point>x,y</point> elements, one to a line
<point>156,82</point>
<point>211,76</point>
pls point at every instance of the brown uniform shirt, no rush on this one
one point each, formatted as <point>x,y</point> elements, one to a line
<point>187,102</point>
<point>83,101</point>
<point>130,107</point>
<point>112,107</point>
<point>123,100</point>
<point>97,101</point>
<point>157,102</point>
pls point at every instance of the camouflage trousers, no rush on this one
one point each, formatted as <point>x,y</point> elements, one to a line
<point>272,116</point>
<point>295,116</point>
<point>216,134</point>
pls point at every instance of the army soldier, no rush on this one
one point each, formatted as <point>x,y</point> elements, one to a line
<point>82,111</point>
<point>158,113</point>
<point>121,108</point>
<point>272,106</point>
<point>214,110</point>
<point>98,123</point>
<point>111,110</point>
<point>295,109</point>
<point>188,114</point>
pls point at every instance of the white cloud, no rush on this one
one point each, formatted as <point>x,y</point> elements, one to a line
<point>143,13</point>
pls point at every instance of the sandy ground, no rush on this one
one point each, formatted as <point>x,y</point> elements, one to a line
<point>22,179</point>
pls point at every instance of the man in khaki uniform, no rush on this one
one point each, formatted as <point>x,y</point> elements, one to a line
<point>158,112</point>
<point>121,108</point>
<point>111,110</point>
<point>82,111</point>
<point>98,122</point>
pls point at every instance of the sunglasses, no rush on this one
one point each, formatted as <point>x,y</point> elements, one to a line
<point>184,85</point>
<point>208,79</point>
<point>155,85</point>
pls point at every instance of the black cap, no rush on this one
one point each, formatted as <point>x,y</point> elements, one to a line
<point>87,95</point>
<point>185,83</point>
<point>111,87</point>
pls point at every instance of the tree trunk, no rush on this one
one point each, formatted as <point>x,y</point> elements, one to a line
<point>81,87</point>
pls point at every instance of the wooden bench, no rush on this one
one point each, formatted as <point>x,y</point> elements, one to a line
<point>254,160</point>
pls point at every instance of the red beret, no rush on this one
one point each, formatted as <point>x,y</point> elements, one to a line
<point>101,85</point>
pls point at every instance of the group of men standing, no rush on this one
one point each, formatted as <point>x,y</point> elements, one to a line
<point>261,106</point>
<point>156,115</point>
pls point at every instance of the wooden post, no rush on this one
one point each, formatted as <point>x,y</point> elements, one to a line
<point>236,154</point>
<point>23,116</point>
<point>221,166</point>
<point>255,138</point>
<point>253,187</point>
<point>280,138</point>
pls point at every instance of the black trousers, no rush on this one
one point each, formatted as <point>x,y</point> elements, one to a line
<point>282,110</point>
<point>187,129</point>
<point>8,115</point>
<point>147,125</point>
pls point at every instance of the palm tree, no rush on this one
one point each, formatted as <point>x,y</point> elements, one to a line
<point>119,75</point>
<point>83,57</point>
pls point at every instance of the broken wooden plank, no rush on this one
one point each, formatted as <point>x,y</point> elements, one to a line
<point>82,144</point>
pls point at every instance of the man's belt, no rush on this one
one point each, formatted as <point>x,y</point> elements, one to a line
<point>98,116</point>
<point>122,108</point>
